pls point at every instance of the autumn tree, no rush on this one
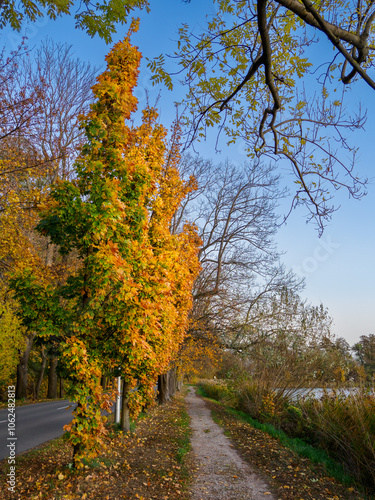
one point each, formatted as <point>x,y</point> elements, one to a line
<point>126,304</point>
<point>20,108</point>
<point>40,133</point>
<point>253,73</point>
<point>56,137</point>
<point>41,97</point>
<point>17,220</point>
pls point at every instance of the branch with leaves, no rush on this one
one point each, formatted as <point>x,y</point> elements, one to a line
<point>94,18</point>
<point>246,75</point>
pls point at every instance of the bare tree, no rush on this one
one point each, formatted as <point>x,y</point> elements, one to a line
<point>234,210</point>
<point>67,96</point>
<point>40,136</point>
<point>19,104</point>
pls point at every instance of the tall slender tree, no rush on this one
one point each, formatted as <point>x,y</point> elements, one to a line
<point>127,303</point>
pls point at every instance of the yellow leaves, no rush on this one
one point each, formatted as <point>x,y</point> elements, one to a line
<point>195,351</point>
<point>140,343</point>
<point>132,292</point>
<point>112,252</point>
<point>68,427</point>
<point>134,27</point>
<point>12,337</point>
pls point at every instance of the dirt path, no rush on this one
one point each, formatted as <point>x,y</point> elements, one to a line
<point>222,473</point>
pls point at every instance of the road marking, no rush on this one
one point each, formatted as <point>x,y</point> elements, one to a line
<point>1,421</point>
<point>63,407</point>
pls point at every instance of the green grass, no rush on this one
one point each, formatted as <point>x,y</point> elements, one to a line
<point>94,463</point>
<point>299,446</point>
<point>183,441</point>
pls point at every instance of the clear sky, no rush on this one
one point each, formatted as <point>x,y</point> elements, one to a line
<point>339,267</point>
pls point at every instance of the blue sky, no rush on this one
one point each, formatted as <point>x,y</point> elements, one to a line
<point>339,267</point>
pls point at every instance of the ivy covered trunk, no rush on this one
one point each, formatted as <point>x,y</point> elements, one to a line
<point>82,372</point>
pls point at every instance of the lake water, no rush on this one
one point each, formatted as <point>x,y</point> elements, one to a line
<point>318,393</point>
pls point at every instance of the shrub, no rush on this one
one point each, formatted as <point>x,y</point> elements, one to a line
<point>219,391</point>
<point>345,427</point>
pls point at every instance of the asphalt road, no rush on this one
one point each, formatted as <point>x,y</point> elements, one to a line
<point>34,424</point>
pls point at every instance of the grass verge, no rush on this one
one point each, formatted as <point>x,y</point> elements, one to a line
<point>183,440</point>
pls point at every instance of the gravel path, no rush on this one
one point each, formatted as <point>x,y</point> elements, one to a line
<point>222,474</point>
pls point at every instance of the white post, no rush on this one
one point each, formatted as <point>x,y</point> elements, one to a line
<point>118,400</point>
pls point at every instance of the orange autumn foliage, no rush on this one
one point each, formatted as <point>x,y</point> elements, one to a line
<point>128,301</point>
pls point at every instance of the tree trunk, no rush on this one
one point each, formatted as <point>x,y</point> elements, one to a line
<point>163,388</point>
<point>50,250</point>
<point>52,378</point>
<point>125,413</point>
<point>33,388</point>
<point>172,382</point>
<point>103,382</point>
<point>41,373</point>
<point>21,384</point>
<point>61,385</point>
<point>180,382</point>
